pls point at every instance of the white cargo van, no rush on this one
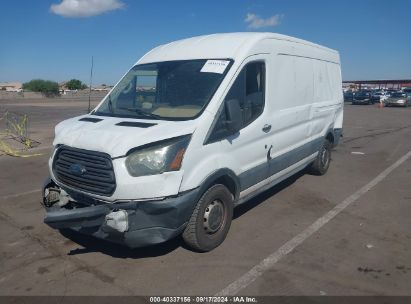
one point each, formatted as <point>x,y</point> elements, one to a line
<point>195,128</point>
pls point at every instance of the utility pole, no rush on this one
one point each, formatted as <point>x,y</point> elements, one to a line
<point>91,82</point>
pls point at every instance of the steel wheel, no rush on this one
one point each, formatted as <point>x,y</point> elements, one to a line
<point>213,216</point>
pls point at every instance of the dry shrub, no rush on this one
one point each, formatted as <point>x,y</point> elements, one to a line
<point>14,139</point>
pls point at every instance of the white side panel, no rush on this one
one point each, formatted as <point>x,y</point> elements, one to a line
<point>290,104</point>
<point>328,97</point>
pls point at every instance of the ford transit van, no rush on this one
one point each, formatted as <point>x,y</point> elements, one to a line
<point>195,128</point>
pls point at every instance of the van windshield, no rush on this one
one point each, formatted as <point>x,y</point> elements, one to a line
<point>171,90</point>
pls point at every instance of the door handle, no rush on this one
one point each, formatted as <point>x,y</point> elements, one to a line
<point>266,128</point>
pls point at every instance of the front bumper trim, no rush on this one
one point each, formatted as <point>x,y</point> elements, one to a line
<point>149,222</point>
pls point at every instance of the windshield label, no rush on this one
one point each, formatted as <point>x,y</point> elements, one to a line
<point>215,66</point>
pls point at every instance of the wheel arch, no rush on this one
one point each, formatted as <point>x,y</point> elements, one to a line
<point>225,177</point>
<point>330,136</point>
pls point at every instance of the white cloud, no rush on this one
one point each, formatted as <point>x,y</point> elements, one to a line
<point>85,8</point>
<point>255,22</point>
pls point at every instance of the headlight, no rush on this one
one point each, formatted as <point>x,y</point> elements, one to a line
<point>158,157</point>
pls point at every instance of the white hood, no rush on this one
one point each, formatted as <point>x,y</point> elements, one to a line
<point>106,136</point>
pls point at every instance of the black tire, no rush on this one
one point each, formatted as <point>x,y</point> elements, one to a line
<point>322,162</point>
<point>207,228</point>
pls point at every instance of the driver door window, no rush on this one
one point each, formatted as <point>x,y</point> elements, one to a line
<point>249,90</point>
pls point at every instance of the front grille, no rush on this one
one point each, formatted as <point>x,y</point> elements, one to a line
<point>96,174</point>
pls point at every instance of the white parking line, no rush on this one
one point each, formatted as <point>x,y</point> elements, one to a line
<point>20,194</point>
<point>285,249</point>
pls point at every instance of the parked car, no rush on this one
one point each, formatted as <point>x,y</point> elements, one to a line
<point>362,97</point>
<point>391,91</point>
<point>379,96</point>
<point>399,100</point>
<point>140,170</point>
<point>407,90</point>
<point>348,96</point>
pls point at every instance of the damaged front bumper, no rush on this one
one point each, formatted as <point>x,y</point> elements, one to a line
<point>132,223</point>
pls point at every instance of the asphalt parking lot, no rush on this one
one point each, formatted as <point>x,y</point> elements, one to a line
<point>365,249</point>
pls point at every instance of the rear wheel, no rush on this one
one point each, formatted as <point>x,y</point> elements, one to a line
<point>322,162</point>
<point>211,219</point>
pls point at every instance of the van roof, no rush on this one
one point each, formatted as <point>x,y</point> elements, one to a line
<point>225,45</point>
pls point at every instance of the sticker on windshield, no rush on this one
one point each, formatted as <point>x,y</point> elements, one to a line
<point>215,66</point>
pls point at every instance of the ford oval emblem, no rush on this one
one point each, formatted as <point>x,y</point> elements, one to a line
<point>78,169</point>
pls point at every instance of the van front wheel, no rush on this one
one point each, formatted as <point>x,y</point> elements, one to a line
<point>211,219</point>
<point>322,161</point>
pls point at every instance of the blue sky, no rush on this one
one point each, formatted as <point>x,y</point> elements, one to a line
<point>39,40</point>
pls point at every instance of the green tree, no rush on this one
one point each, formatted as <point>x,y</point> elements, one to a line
<point>75,84</point>
<point>47,87</point>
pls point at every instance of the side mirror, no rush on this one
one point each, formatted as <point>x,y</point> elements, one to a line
<point>234,115</point>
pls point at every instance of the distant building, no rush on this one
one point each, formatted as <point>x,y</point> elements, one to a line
<point>11,86</point>
<point>379,83</point>
<point>102,87</point>
<point>62,85</point>
<point>63,88</point>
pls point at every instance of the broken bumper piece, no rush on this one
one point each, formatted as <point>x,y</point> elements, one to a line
<point>131,223</point>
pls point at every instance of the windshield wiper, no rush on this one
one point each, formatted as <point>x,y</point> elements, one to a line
<point>142,113</point>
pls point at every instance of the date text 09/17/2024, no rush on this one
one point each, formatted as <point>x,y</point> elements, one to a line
<point>205,299</point>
